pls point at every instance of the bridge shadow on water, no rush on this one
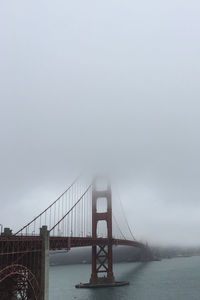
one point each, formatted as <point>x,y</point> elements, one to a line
<point>134,272</point>
<point>114,293</point>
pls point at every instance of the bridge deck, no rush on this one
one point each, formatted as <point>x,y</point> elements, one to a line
<point>72,242</point>
<point>34,243</point>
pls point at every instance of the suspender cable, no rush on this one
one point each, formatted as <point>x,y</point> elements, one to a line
<point>126,220</point>
<point>118,226</point>
<point>71,208</point>
<point>38,216</point>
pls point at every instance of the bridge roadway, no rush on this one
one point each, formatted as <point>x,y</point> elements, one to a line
<point>72,242</point>
<point>22,244</point>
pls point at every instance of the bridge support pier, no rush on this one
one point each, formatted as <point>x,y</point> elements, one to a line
<point>24,266</point>
<point>44,285</point>
<point>102,254</point>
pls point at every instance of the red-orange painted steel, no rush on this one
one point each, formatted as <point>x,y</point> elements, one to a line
<point>102,257</point>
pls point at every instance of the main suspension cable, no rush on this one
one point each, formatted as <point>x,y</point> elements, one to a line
<point>49,207</point>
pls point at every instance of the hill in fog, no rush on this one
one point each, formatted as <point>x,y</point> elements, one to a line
<point>120,254</point>
<point>77,256</point>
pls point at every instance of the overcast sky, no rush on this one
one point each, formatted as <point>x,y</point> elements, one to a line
<point>112,85</point>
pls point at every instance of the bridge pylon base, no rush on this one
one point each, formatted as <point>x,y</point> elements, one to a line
<point>101,284</point>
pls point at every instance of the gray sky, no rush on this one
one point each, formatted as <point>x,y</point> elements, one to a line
<point>109,84</point>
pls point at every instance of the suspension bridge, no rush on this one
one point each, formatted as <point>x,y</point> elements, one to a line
<point>72,220</point>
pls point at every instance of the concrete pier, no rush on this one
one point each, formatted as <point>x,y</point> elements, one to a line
<point>44,233</point>
<point>101,284</point>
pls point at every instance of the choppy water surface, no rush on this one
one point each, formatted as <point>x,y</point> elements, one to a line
<point>177,278</point>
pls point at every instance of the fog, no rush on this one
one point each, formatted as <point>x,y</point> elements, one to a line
<point>103,85</point>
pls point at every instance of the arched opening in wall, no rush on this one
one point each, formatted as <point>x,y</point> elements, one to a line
<point>101,184</point>
<point>16,287</point>
<point>18,283</point>
<point>102,230</point>
<point>102,205</point>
